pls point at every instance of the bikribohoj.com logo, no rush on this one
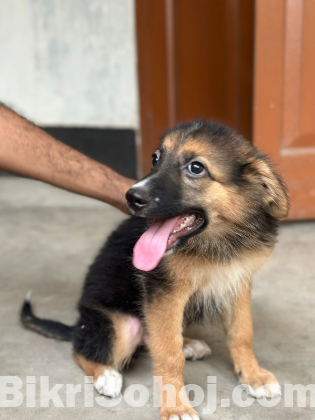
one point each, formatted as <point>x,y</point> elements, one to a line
<point>37,392</point>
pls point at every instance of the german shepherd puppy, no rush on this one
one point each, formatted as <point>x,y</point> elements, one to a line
<point>204,220</point>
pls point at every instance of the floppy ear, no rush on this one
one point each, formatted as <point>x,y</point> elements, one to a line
<point>274,191</point>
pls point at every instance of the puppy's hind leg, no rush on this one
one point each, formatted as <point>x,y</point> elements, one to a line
<point>106,379</point>
<point>103,343</point>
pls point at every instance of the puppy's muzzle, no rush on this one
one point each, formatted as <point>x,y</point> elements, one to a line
<point>137,198</point>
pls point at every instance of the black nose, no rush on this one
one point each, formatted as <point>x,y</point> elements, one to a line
<point>137,198</point>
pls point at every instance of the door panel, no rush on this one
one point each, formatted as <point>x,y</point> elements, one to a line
<point>284,98</point>
<point>195,61</point>
<point>152,75</point>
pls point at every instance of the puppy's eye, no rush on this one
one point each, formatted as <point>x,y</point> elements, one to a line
<point>196,168</point>
<point>155,157</point>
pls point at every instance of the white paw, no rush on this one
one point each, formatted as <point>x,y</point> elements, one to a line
<point>109,383</point>
<point>196,349</point>
<point>184,417</point>
<point>267,390</point>
<point>189,417</point>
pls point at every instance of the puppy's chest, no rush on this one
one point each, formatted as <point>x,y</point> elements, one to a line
<point>220,281</point>
<point>215,287</point>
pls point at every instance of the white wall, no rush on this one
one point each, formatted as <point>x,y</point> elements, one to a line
<point>69,62</point>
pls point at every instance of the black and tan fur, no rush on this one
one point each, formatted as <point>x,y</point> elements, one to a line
<point>208,276</point>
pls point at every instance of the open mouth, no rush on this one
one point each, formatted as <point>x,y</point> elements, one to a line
<point>185,225</point>
<point>163,235</point>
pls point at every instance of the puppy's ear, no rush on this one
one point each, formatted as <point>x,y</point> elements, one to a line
<point>260,171</point>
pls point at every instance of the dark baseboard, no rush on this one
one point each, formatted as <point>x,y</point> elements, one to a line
<point>115,148</point>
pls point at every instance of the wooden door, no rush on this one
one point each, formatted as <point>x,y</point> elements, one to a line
<point>284,97</point>
<point>195,60</point>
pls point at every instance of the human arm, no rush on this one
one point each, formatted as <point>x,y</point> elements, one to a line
<point>28,151</point>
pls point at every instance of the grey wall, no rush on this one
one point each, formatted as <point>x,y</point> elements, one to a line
<point>69,62</point>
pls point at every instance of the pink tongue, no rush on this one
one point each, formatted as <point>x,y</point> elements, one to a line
<point>152,245</point>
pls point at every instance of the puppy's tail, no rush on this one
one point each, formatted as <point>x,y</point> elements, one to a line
<point>51,329</point>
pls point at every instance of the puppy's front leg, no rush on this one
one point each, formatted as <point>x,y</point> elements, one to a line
<point>239,329</point>
<point>164,318</point>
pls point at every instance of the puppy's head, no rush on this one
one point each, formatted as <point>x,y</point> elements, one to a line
<point>207,183</point>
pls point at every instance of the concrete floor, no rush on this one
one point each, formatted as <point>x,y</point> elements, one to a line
<point>48,239</point>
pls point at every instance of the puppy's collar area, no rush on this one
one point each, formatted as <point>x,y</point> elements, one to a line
<point>163,235</point>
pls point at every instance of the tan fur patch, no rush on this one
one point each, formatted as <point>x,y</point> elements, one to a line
<point>225,201</point>
<point>239,329</point>
<point>276,195</point>
<point>128,336</point>
<point>223,282</point>
<point>164,320</point>
<point>90,368</point>
<point>169,142</point>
